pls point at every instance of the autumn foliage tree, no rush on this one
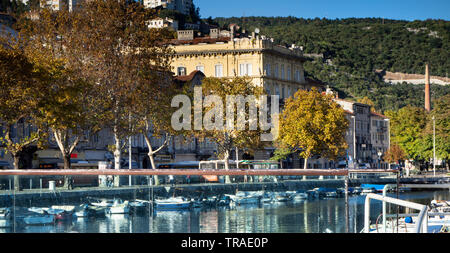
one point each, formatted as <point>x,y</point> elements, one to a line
<point>313,124</point>
<point>19,99</point>
<point>20,96</point>
<point>226,131</point>
<point>394,154</point>
<point>51,43</point>
<point>119,50</point>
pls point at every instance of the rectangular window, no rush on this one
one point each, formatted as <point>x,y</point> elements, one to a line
<point>200,68</point>
<point>289,74</point>
<point>219,70</point>
<point>282,71</point>
<point>275,71</point>
<point>268,69</point>
<point>181,71</point>
<point>245,69</point>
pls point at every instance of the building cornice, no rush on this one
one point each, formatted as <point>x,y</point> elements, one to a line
<point>238,51</point>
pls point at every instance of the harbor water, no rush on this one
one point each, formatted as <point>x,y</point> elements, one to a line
<point>307,216</point>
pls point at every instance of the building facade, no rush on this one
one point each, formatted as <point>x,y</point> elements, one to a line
<point>159,23</point>
<point>279,70</point>
<point>183,6</point>
<point>367,136</point>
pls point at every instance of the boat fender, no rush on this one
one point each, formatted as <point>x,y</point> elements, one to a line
<point>408,220</point>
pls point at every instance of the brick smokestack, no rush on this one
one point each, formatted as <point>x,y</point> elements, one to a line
<point>427,90</point>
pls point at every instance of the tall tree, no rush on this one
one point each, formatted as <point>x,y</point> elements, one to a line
<point>407,125</point>
<point>119,46</point>
<point>151,110</point>
<point>313,124</point>
<point>67,106</point>
<point>437,131</point>
<point>230,131</point>
<point>394,154</point>
<point>19,100</point>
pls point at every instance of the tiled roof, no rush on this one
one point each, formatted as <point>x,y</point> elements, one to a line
<point>189,77</point>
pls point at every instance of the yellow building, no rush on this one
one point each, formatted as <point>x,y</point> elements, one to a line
<point>278,69</point>
<point>222,54</point>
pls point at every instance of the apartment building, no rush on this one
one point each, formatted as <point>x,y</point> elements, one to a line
<point>183,6</point>
<point>367,136</point>
<point>159,23</point>
<point>276,68</point>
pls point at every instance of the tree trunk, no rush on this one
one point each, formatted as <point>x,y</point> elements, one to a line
<point>151,153</point>
<point>16,158</point>
<point>117,155</point>
<point>66,159</point>
<point>305,166</point>
<point>226,156</point>
<point>152,162</point>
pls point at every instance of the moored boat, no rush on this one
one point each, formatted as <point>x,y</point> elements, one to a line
<point>5,217</point>
<point>174,203</point>
<point>242,198</point>
<point>26,217</point>
<point>298,196</point>
<point>118,207</point>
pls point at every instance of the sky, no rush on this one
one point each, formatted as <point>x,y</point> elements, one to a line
<point>330,9</point>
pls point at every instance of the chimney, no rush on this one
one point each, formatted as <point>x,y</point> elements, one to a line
<point>427,90</point>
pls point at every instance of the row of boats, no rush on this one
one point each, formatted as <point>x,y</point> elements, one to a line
<point>102,207</point>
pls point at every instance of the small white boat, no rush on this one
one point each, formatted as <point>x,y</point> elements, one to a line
<point>105,202</point>
<point>138,205</point>
<point>42,219</point>
<point>38,210</point>
<point>267,198</point>
<point>97,210</point>
<point>5,223</point>
<point>118,207</point>
<point>5,213</point>
<point>281,197</point>
<point>5,217</point>
<point>82,210</point>
<point>368,190</point>
<point>35,216</point>
<point>440,206</point>
<point>244,198</point>
<point>298,196</point>
<point>67,208</point>
<point>174,203</point>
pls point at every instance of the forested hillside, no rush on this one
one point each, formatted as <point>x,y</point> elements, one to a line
<point>354,48</point>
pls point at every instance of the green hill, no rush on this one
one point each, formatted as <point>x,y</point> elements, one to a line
<point>353,48</point>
